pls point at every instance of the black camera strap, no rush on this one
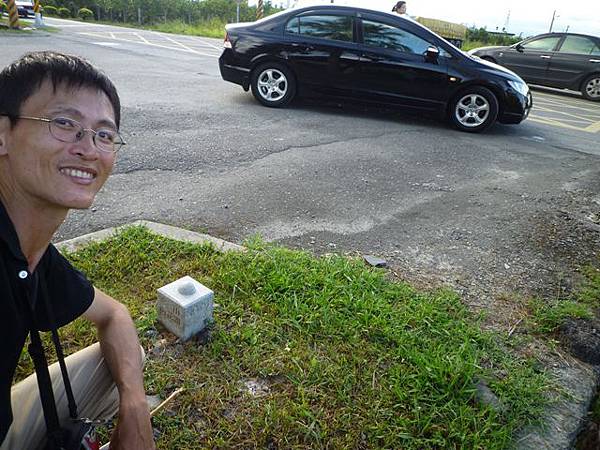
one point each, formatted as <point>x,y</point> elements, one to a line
<point>36,350</point>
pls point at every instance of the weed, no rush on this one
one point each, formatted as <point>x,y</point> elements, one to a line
<point>347,358</point>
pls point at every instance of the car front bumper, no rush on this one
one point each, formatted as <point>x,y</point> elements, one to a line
<point>516,107</point>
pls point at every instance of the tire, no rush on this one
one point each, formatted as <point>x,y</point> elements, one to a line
<point>590,88</point>
<point>273,85</point>
<point>473,109</point>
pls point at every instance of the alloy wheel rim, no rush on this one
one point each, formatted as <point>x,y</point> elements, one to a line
<point>472,110</point>
<point>272,85</point>
<point>593,88</point>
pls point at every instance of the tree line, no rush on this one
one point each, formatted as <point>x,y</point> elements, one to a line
<point>486,37</point>
<point>156,11</point>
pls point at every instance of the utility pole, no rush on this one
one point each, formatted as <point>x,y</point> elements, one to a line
<point>505,28</point>
<point>260,11</point>
<point>552,22</point>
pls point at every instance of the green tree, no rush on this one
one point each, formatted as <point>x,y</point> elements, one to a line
<point>85,14</point>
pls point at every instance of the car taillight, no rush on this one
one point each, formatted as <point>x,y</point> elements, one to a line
<point>227,42</point>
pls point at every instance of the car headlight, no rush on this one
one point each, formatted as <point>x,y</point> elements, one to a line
<point>519,86</point>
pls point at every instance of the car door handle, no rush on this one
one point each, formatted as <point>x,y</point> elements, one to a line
<point>545,56</point>
<point>371,58</point>
<point>303,47</point>
<point>595,60</point>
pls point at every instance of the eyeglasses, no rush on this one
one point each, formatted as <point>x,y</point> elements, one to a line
<point>69,130</point>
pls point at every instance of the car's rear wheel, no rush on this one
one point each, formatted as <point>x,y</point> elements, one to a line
<point>273,84</point>
<point>474,109</point>
<point>591,87</point>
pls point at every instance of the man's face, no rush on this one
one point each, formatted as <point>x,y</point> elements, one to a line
<point>46,171</point>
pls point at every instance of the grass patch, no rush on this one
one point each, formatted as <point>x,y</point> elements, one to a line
<point>589,293</point>
<point>4,27</point>
<point>350,359</point>
<point>469,45</point>
<point>210,28</point>
<point>548,315</point>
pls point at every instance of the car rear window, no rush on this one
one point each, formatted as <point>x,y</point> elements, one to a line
<point>337,28</point>
<point>579,45</point>
<point>546,44</point>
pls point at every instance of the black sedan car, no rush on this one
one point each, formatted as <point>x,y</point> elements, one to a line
<point>370,56</point>
<point>559,60</point>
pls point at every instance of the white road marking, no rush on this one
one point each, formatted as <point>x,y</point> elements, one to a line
<point>534,138</point>
<point>107,44</point>
<point>142,38</point>
<point>562,101</point>
<point>71,23</point>
<point>186,50</point>
<point>594,128</point>
<point>216,47</point>
<point>563,113</point>
<point>177,42</point>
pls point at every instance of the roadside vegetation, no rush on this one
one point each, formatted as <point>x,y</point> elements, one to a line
<point>174,16</point>
<point>480,37</point>
<point>205,18</point>
<point>310,352</point>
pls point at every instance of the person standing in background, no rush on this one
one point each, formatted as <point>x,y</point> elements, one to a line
<point>400,8</point>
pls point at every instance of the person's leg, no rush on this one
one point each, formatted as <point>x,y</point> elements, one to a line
<point>94,390</point>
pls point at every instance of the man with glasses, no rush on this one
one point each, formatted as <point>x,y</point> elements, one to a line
<point>59,135</point>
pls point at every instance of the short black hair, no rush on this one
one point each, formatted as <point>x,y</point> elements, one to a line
<point>21,79</point>
<point>398,5</point>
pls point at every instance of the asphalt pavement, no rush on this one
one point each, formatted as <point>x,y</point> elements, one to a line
<point>470,210</point>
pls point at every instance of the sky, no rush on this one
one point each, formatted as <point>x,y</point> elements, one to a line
<point>529,17</point>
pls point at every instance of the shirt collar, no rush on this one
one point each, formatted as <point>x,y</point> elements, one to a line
<point>8,234</point>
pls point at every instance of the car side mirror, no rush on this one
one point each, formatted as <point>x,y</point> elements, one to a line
<point>519,48</point>
<point>432,53</point>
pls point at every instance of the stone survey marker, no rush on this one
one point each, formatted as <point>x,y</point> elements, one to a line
<point>185,307</point>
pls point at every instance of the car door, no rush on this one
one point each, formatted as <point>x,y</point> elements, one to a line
<point>577,56</point>
<point>394,68</point>
<point>321,51</point>
<point>531,59</point>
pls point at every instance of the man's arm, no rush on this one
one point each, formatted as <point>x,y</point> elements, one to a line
<point>121,350</point>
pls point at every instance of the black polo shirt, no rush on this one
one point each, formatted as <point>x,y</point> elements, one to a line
<point>70,294</point>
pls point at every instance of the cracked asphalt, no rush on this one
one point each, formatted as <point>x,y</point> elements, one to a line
<point>514,210</point>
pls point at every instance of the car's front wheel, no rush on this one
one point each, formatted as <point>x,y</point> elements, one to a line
<point>473,109</point>
<point>273,84</point>
<point>591,87</point>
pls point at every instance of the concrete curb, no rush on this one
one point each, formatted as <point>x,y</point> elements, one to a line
<point>561,422</point>
<point>564,420</point>
<point>167,231</point>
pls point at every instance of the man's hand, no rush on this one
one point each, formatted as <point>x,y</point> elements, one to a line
<point>133,430</point>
